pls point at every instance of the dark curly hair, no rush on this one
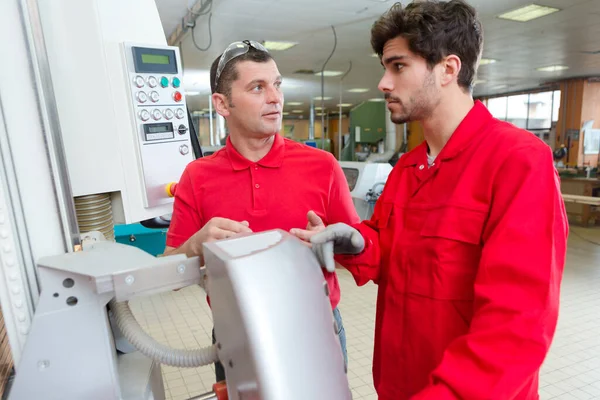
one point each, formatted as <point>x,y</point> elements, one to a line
<point>434,29</point>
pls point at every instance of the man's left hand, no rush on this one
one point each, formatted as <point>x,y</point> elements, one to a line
<point>315,225</point>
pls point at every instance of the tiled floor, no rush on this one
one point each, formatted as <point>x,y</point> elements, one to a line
<point>572,370</point>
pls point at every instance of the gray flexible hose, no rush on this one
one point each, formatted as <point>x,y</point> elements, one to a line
<point>149,347</point>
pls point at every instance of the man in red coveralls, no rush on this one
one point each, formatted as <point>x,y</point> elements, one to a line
<point>260,180</point>
<point>467,242</point>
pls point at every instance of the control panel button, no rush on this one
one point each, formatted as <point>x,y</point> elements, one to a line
<point>138,81</point>
<point>182,129</point>
<point>177,96</point>
<point>141,97</point>
<point>184,149</point>
<point>179,113</point>
<point>168,113</point>
<point>176,82</point>
<point>152,82</point>
<point>154,96</point>
<point>144,115</point>
<point>164,82</point>
<point>156,114</point>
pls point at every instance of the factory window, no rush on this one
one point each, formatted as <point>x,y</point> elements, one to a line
<point>531,111</point>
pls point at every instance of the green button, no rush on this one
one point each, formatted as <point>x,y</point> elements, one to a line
<point>164,82</point>
<point>176,82</point>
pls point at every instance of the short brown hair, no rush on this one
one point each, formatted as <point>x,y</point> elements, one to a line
<point>434,29</point>
<point>230,73</point>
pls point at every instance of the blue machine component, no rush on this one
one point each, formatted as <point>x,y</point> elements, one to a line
<point>152,241</point>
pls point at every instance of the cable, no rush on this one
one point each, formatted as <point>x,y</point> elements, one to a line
<point>323,88</point>
<point>209,34</point>
<point>583,238</point>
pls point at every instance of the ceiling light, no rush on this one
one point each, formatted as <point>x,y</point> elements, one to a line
<point>329,73</point>
<point>479,81</point>
<point>377,99</point>
<point>497,87</point>
<point>319,98</point>
<point>192,93</point>
<point>287,85</point>
<point>285,113</point>
<point>318,108</point>
<point>344,105</point>
<point>553,68</point>
<point>486,61</point>
<point>358,90</point>
<point>294,103</point>
<point>278,46</point>
<point>375,55</point>
<point>528,13</point>
<point>297,111</point>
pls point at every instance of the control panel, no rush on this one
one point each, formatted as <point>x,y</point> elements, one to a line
<point>157,96</point>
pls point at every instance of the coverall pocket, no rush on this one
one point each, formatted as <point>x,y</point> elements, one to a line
<point>450,253</point>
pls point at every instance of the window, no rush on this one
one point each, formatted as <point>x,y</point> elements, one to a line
<point>555,105</point>
<point>540,111</point>
<point>497,107</point>
<point>517,110</point>
<point>532,111</point>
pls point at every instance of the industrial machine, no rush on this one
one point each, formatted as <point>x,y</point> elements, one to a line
<point>106,134</point>
<point>266,285</point>
<point>366,182</point>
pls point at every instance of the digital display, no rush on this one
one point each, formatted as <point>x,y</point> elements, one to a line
<point>158,128</point>
<point>156,59</point>
<point>158,131</point>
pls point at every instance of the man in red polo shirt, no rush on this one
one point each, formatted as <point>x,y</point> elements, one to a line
<point>260,180</point>
<point>467,242</point>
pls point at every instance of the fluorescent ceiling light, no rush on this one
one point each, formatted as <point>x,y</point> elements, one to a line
<point>553,68</point>
<point>294,103</point>
<point>192,93</point>
<point>486,61</point>
<point>377,99</point>
<point>358,90</point>
<point>287,85</point>
<point>319,98</point>
<point>285,113</point>
<point>528,13</point>
<point>375,55</point>
<point>297,111</point>
<point>479,81</point>
<point>278,46</point>
<point>344,105</point>
<point>499,87</point>
<point>318,108</point>
<point>329,73</point>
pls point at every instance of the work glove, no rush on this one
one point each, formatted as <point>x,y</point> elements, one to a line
<point>336,239</point>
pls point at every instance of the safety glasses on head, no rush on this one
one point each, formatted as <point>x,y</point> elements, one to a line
<point>234,50</point>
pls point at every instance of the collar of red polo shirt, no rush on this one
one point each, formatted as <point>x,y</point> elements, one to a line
<point>273,159</point>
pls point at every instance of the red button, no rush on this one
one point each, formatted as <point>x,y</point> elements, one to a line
<point>177,96</point>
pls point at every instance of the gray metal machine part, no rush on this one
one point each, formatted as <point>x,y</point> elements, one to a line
<point>70,351</point>
<point>270,306</point>
<point>273,320</point>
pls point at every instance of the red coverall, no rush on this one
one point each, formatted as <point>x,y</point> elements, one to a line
<point>468,255</point>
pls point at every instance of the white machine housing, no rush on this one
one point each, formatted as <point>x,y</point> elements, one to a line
<point>89,46</point>
<point>362,177</point>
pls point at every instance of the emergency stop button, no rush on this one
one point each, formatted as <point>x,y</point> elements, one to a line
<point>171,188</point>
<point>177,96</point>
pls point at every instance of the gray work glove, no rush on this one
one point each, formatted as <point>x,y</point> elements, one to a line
<point>336,239</point>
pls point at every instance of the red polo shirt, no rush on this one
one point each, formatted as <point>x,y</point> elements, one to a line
<point>274,193</point>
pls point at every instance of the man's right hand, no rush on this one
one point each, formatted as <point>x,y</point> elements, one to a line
<point>336,239</point>
<point>215,229</point>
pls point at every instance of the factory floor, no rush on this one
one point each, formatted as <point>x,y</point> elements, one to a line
<point>572,370</point>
